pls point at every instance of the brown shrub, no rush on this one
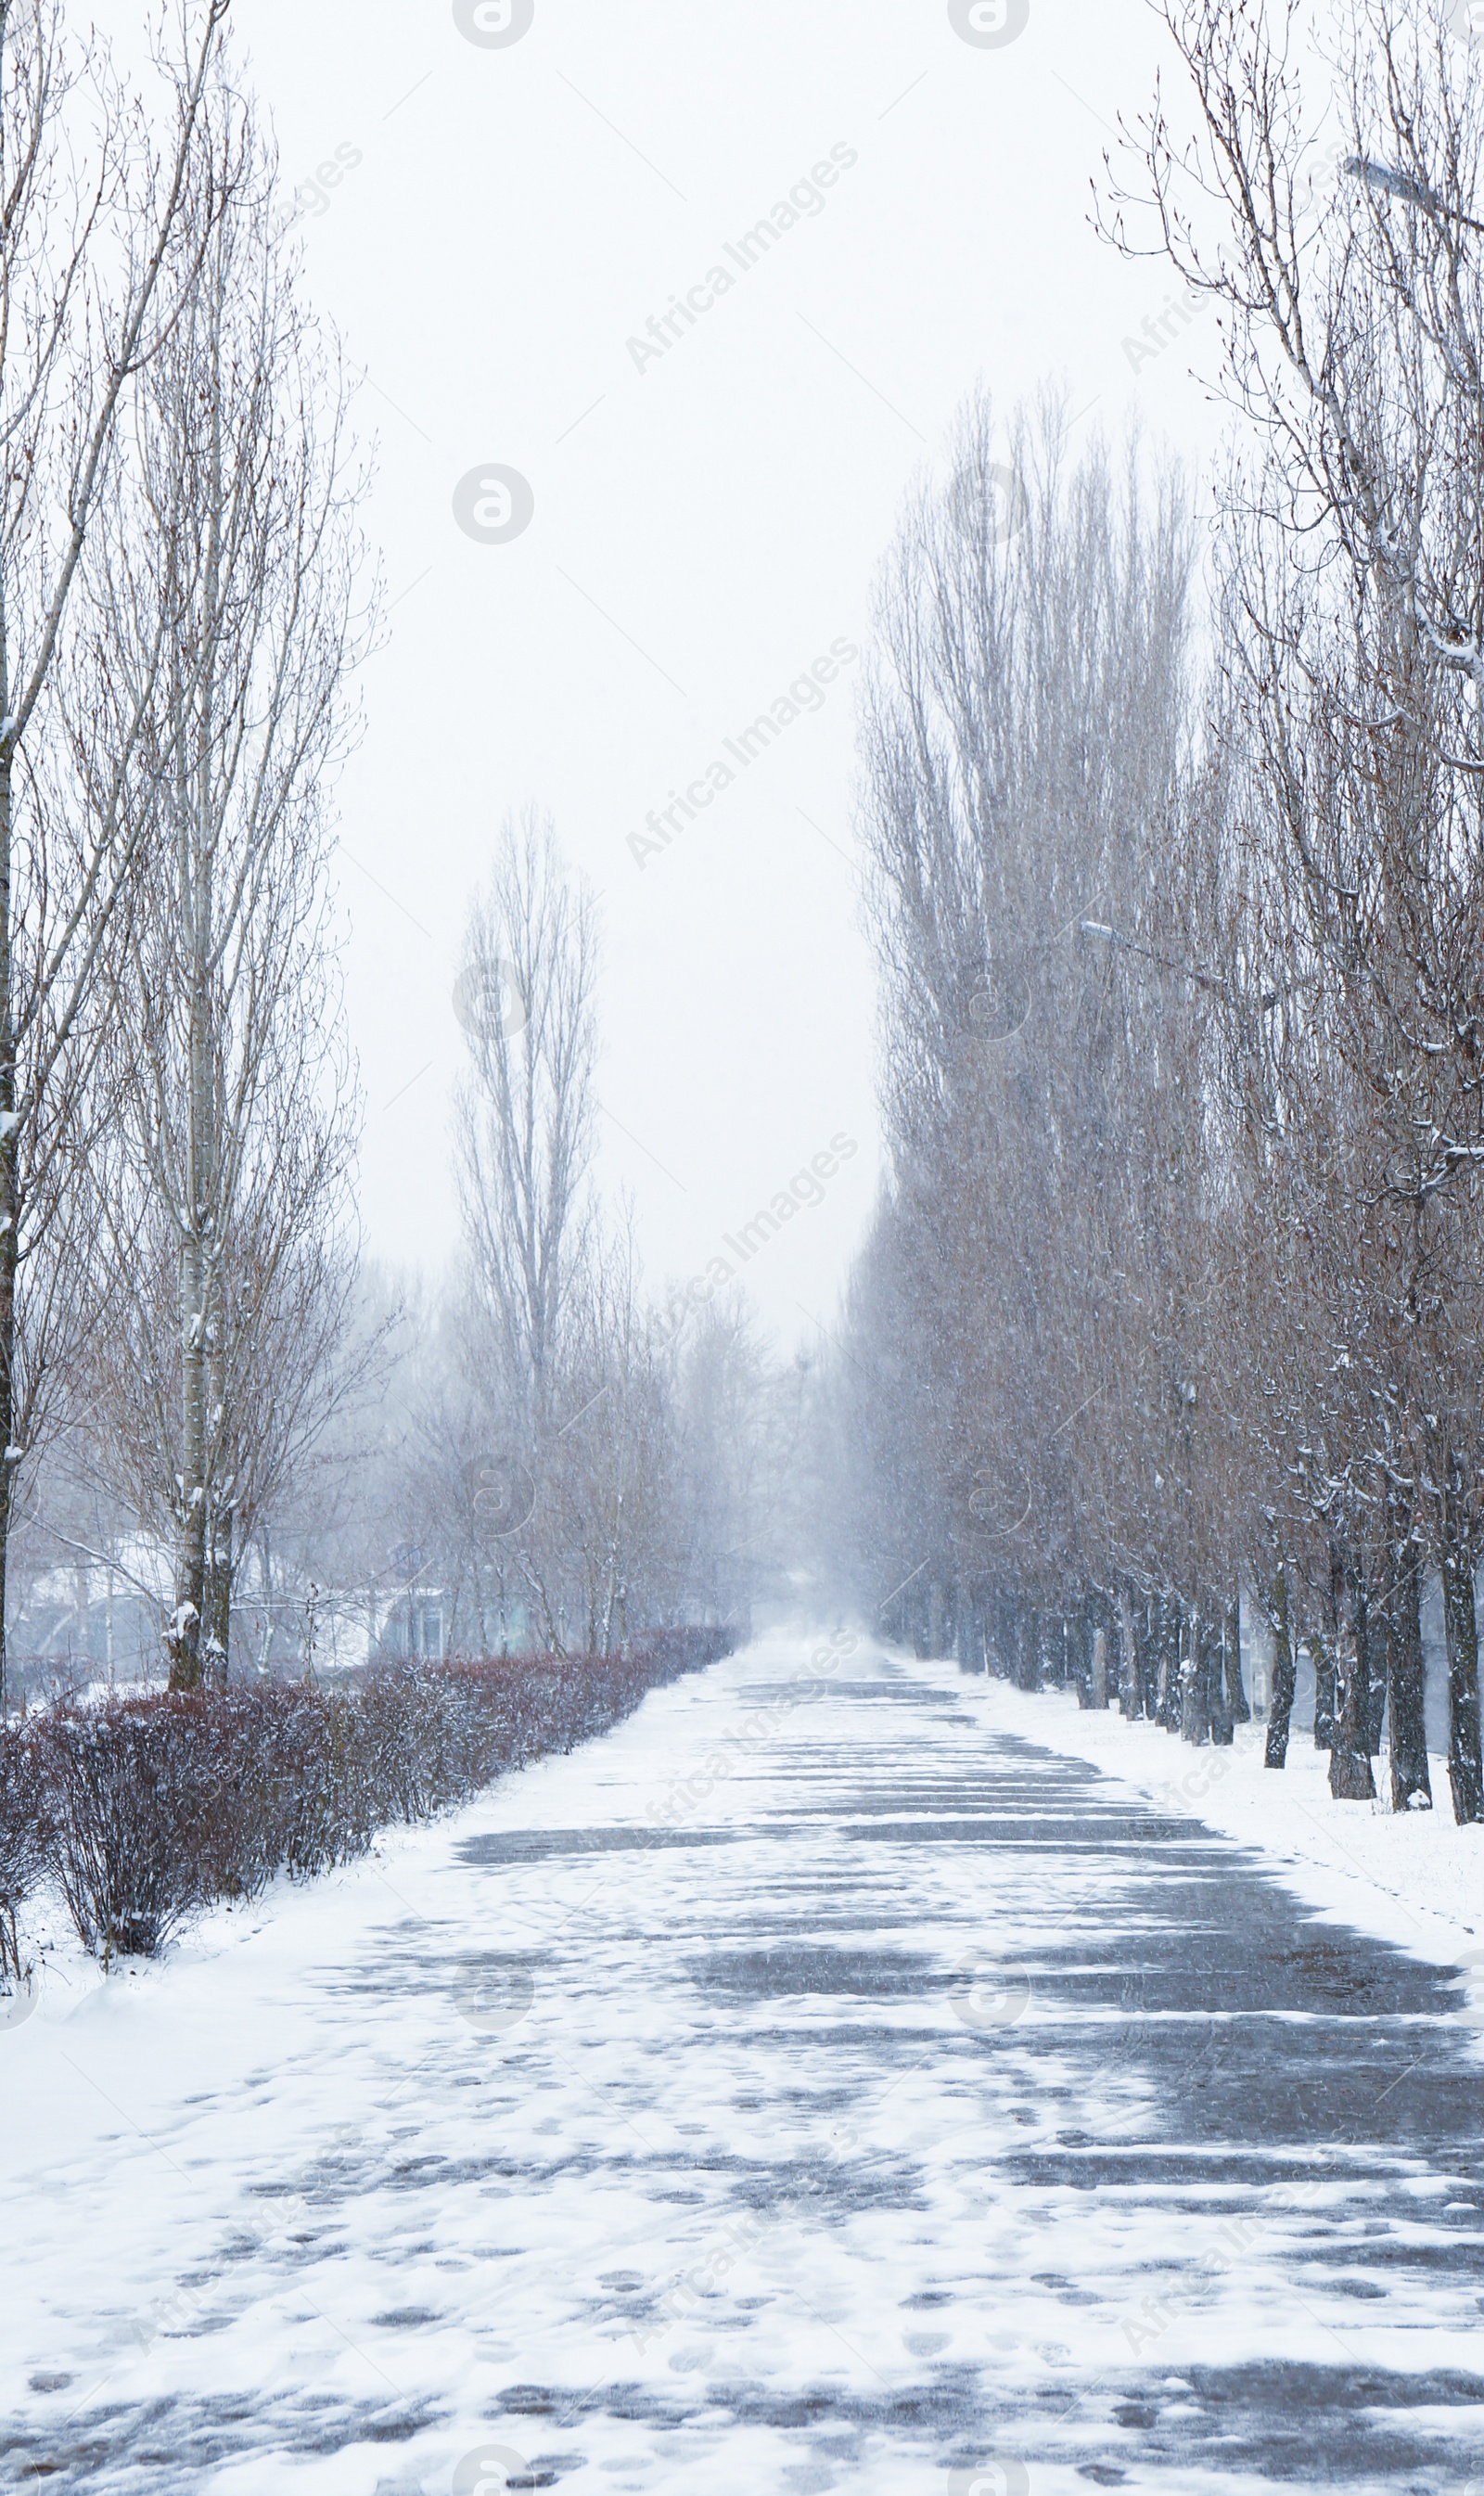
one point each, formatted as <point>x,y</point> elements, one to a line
<point>145,1808</point>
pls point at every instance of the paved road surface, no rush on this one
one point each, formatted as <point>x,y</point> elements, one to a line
<point>805,2088</point>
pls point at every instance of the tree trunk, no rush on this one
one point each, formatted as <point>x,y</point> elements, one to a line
<point>1079,1633</point>
<point>1163,1666</point>
<point>1028,1653</point>
<point>200,1343</point>
<point>184,1643</point>
<point>1194,1696</point>
<point>979,1637</point>
<point>1465,1777</point>
<point>1130,1675</point>
<point>1370,1623</point>
<point>1275,1751</point>
<point>221,1570</point>
<point>1407,1680</point>
<point>1237,1708</point>
<point>221,1518</point>
<point>1321,1646</point>
<point>1215,1632</point>
<point>1350,1760</point>
<point>1172,1661</point>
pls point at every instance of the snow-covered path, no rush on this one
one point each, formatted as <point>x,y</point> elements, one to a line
<point>807,2087</point>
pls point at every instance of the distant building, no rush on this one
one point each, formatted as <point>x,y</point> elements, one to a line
<point>94,1622</point>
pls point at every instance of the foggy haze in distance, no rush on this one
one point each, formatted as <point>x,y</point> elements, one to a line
<point>514,217</point>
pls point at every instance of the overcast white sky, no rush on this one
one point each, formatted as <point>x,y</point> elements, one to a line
<point>703,528</point>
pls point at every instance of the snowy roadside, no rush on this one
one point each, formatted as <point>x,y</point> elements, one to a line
<point>1416,1879</point>
<point>657,2121</point>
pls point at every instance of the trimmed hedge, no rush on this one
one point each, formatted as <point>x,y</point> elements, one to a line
<point>143,1809</point>
<point>23,1843</point>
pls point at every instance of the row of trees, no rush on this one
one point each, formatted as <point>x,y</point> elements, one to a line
<point>568,1454</point>
<point>198,1388</point>
<point>1177,879</point>
<point>183,600</point>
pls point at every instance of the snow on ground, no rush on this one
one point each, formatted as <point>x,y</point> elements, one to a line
<point>1412,1878</point>
<point>823,2082</point>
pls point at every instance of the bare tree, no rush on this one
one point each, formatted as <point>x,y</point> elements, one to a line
<point>587,1478</point>
<point>222,1191</point>
<point>525,1119</point>
<point>90,274</point>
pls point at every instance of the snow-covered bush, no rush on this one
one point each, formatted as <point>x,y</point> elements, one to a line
<point>125,1789</point>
